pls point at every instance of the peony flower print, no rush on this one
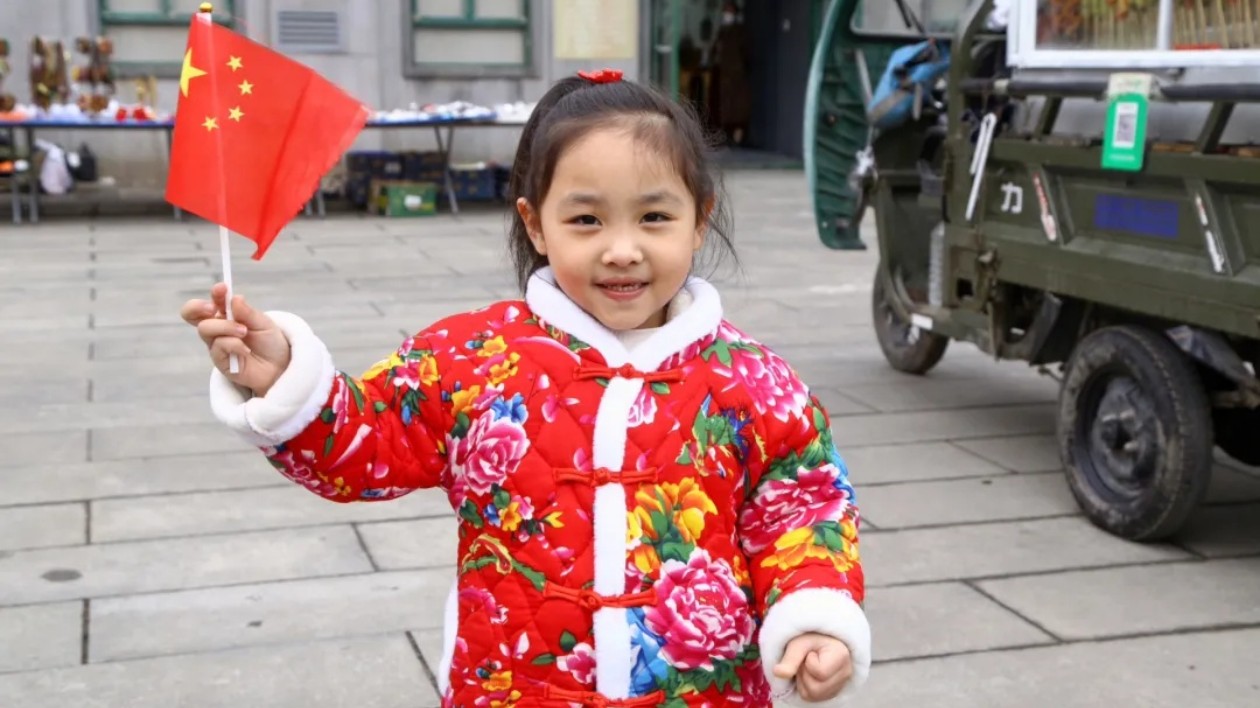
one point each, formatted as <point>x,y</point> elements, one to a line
<point>701,614</point>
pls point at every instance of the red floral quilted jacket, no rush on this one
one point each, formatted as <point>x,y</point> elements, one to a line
<point>638,527</point>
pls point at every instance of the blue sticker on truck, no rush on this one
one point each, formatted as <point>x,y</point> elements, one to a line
<point>1145,217</point>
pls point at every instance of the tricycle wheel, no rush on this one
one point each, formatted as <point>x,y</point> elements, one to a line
<point>1236,430</point>
<point>1135,432</point>
<point>907,348</point>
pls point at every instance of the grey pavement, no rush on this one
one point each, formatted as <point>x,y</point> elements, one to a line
<point>150,558</point>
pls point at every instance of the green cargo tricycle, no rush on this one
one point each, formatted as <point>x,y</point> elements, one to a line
<point>1055,183</point>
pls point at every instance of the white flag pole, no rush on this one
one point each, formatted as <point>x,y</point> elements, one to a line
<point>234,364</point>
<point>225,247</point>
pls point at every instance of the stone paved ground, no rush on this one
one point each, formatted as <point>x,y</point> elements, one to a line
<point>150,559</point>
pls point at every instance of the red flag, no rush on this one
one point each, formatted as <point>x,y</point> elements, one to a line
<point>254,133</point>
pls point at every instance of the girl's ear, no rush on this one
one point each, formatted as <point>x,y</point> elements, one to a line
<point>533,225</point>
<point>702,226</point>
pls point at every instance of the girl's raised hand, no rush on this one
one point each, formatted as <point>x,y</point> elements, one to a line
<point>259,345</point>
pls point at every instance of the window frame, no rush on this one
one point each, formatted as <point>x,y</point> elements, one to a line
<point>526,26</point>
<point>165,17</point>
<point>1022,51</point>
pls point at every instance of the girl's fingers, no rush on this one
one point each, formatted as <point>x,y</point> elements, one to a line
<point>194,311</point>
<point>808,687</point>
<point>223,348</point>
<point>214,329</point>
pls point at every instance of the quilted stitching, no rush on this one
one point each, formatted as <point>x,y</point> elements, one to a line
<point>506,412</point>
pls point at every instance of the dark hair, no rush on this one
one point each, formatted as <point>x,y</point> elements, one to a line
<point>574,107</point>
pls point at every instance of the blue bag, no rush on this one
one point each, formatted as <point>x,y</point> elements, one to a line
<point>911,72</point>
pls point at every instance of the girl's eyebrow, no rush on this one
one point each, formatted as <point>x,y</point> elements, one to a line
<point>662,196</point>
<point>582,199</point>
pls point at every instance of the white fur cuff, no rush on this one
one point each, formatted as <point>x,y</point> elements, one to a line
<point>292,403</point>
<point>824,611</point>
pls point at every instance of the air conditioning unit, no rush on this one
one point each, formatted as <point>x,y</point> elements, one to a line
<point>308,32</point>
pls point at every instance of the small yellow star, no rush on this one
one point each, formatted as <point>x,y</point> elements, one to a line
<point>235,63</point>
<point>210,123</point>
<point>235,114</point>
<point>246,87</point>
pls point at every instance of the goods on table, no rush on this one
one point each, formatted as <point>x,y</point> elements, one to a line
<point>95,79</point>
<point>49,85</point>
<point>7,100</point>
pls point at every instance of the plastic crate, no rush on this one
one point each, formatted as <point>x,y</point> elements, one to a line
<point>474,184</point>
<point>395,198</point>
<point>375,163</point>
<point>422,166</point>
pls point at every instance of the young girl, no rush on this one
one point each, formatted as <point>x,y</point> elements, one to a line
<point>651,508</point>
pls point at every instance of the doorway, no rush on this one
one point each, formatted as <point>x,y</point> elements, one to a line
<point>743,65</point>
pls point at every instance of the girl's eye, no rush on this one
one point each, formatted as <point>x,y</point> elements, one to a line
<point>584,220</point>
<point>656,217</point>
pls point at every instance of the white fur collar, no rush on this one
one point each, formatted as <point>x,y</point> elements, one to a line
<point>693,315</point>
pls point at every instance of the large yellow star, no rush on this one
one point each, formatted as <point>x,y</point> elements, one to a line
<point>211,123</point>
<point>235,63</point>
<point>188,73</point>
<point>235,114</point>
<point>246,87</point>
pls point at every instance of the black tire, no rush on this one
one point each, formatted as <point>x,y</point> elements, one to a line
<point>1237,434</point>
<point>1135,432</point>
<point>907,348</point>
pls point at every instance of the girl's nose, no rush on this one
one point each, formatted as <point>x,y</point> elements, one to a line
<point>622,250</point>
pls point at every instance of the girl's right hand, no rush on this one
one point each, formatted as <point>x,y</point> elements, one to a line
<point>260,347</point>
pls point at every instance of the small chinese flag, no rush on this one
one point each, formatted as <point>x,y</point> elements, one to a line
<point>254,133</point>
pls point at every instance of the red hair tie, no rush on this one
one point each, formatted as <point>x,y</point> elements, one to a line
<point>603,76</point>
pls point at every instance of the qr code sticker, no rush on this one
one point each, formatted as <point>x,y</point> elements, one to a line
<point>1124,132</point>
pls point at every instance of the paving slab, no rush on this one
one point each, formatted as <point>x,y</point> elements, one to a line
<point>116,372</point>
<point>42,526</point>
<point>41,636</point>
<point>1000,549</point>
<point>1230,486</point>
<point>23,351</point>
<point>70,419</point>
<point>1206,670</point>
<point>103,570</point>
<point>33,447</point>
<point>958,501</point>
<point>931,394</point>
<point>1018,453</point>
<point>838,404</point>
<point>424,543</point>
<point>429,642</point>
<point>429,288</point>
<point>140,387</point>
<point>1139,600</point>
<point>40,484</point>
<point>158,440</point>
<point>943,618</point>
<point>213,619</point>
<point>886,464</point>
<point>55,323</point>
<point>889,428</point>
<point>414,316</point>
<point>44,305</point>
<point>288,506</point>
<point>370,672</point>
<point>176,340</point>
<point>1223,531</point>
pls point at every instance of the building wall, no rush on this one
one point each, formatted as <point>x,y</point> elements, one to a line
<point>373,65</point>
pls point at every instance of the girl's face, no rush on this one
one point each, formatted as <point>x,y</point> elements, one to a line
<point>618,227</point>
